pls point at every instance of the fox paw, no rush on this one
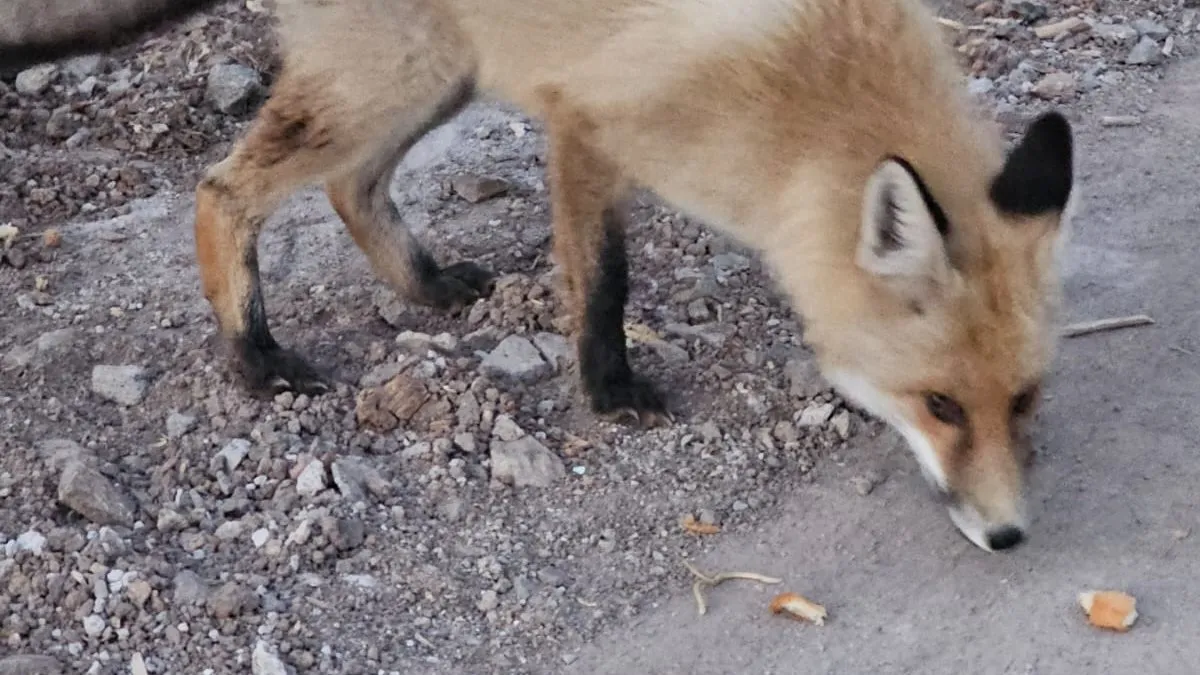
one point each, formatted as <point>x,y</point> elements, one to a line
<point>457,286</point>
<point>632,400</point>
<point>272,371</point>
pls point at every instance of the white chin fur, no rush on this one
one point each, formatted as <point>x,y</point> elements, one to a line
<point>968,521</point>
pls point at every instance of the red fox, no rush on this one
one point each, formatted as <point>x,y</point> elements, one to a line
<point>834,136</point>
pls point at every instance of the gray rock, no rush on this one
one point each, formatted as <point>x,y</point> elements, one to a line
<point>59,452</point>
<point>670,352</point>
<point>86,88</point>
<point>1120,33</point>
<point>29,664</point>
<point>190,589</point>
<point>346,533</point>
<point>19,357</point>
<point>451,508</point>
<point>232,600</point>
<point>465,442</point>
<point>229,530</point>
<point>231,87</point>
<point>804,377</point>
<point>522,461</point>
<point>260,537</point>
<point>517,358</point>
<point>714,334</point>
<point>414,341</point>
<point>1028,11</point>
<point>552,576</point>
<point>35,80</point>
<point>90,494</point>
<point>1055,85</point>
<point>555,348</point>
<point>179,424</point>
<point>354,478</point>
<point>506,429</point>
<point>730,263</point>
<point>1150,29</point>
<point>390,308</point>
<point>865,484</point>
<point>841,424</point>
<point>94,625</point>
<point>312,479</point>
<point>265,661</point>
<point>233,453</point>
<point>1145,53</point>
<point>55,340</point>
<point>31,541</point>
<point>126,385</point>
<point>381,374</point>
<point>169,520</point>
<point>445,342</point>
<point>697,310</point>
<point>468,412</point>
<point>488,601</point>
<point>476,189</point>
<point>22,356</point>
<point>816,415</point>
<point>710,432</point>
<point>139,592</point>
<point>84,66</point>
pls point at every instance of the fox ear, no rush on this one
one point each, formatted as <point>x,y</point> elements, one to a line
<point>1038,173</point>
<point>903,228</point>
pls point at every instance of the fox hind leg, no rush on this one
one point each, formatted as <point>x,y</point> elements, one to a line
<point>360,197</point>
<point>339,117</point>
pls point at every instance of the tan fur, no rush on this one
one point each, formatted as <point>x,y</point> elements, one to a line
<point>765,118</point>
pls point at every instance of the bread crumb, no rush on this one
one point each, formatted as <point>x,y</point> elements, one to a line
<point>1112,610</point>
<point>798,607</point>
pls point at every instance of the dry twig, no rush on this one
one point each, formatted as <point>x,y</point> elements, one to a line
<point>705,581</point>
<point>1101,325</point>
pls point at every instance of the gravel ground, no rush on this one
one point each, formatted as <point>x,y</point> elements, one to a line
<point>452,506</point>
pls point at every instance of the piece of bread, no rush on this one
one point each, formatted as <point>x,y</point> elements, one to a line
<point>798,607</point>
<point>693,526</point>
<point>1112,610</point>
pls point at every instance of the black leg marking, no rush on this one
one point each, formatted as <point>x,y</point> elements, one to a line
<point>266,367</point>
<point>612,386</point>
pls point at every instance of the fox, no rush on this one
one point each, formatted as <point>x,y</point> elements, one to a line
<point>834,137</point>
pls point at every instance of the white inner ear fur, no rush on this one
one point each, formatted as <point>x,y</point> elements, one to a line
<point>899,238</point>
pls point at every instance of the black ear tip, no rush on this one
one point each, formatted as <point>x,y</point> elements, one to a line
<point>1038,174</point>
<point>1051,126</point>
<point>1053,120</point>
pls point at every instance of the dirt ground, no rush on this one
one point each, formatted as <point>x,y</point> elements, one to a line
<point>155,519</point>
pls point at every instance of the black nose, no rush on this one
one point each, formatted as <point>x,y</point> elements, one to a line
<point>1004,538</point>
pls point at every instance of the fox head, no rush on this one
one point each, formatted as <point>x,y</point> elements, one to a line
<point>957,331</point>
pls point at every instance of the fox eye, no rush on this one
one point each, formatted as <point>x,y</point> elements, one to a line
<point>1022,403</point>
<point>945,409</point>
